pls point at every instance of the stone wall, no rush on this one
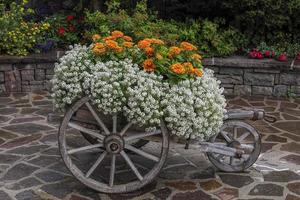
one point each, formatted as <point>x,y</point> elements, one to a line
<point>239,75</point>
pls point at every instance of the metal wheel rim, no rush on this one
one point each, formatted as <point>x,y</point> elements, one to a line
<point>253,156</point>
<point>101,187</point>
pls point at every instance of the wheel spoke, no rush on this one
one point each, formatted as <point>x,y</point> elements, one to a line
<point>141,135</point>
<point>247,147</point>
<point>95,165</point>
<point>243,137</point>
<point>112,170</point>
<point>225,136</point>
<point>131,165</point>
<point>86,130</point>
<point>235,129</point>
<point>126,128</point>
<point>72,151</point>
<point>142,153</point>
<point>114,124</point>
<point>97,118</point>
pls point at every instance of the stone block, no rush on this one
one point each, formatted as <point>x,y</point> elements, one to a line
<point>261,90</point>
<point>215,69</point>
<point>242,90</point>
<point>5,67</point>
<point>21,66</point>
<point>27,75</point>
<point>37,87</point>
<point>40,74</point>
<point>289,79</point>
<point>49,77</point>
<point>36,82</point>
<point>26,88</point>
<point>280,90</point>
<point>25,83</point>
<point>45,65</point>
<point>231,71</point>
<point>295,89</point>
<point>228,91</point>
<point>50,71</point>
<point>259,79</point>
<point>1,77</point>
<point>228,79</point>
<point>2,88</point>
<point>227,86</point>
<point>268,71</point>
<point>48,85</point>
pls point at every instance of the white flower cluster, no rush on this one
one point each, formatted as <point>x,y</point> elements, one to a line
<point>195,108</point>
<point>192,108</point>
<point>143,104</point>
<point>69,76</point>
<point>109,84</point>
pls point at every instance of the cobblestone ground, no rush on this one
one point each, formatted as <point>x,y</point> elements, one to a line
<point>31,167</point>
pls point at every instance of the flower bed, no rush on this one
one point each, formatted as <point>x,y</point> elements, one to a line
<point>145,82</point>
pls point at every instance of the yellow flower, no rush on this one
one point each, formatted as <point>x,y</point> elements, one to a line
<point>148,65</point>
<point>174,51</point>
<point>119,49</point>
<point>187,46</point>
<point>96,37</point>
<point>159,56</point>
<point>189,67</point>
<point>99,49</point>
<point>177,68</point>
<point>111,44</point>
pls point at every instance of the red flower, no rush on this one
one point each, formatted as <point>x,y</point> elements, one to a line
<point>259,55</point>
<point>282,57</point>
<point>298,56</point>
<point>273,54</point>
<point>72,28</point>
<point>267,54</point>
<point>253,54</point>
<point>61,30</point>
<point>70,17</point>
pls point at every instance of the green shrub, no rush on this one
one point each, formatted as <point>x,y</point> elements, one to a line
<point>142,23</point>
<point>17,36</point>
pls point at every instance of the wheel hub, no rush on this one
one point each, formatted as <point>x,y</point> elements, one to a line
<point>237,145</point>
<point>113,143</point>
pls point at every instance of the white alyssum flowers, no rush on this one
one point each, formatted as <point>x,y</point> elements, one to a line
<point>192,108</point>
<point>195,108</point>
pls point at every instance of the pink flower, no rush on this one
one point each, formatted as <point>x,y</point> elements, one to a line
<point>72,28</point>
<point>267,54</point>
<point>298,56</point>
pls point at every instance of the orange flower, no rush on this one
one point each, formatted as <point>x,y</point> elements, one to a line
<point>189,67</point>
<point>178,68</point>
<point>198,72</point>
<point>158,56</point>
<point>143,44</point>
<point>109,38</point>
<point>156,41</point>
<point>187,46</point>
<point>148,65</point>
<point>196,56</point>
<point>96,37</point>
<point>111,44</point>
<point>128,44</point>
<point>99,49</point>
<point>117,34</point>
<point>175,50</point>
<point>149,51</point>
<point>127,38</point>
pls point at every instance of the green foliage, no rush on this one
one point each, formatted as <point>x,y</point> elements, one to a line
<point>271,21</point>
<point>142,23</point>
<point>17,36</point>
<point>65,29</point>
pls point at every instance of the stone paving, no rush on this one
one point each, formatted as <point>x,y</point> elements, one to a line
<point>31,167</point>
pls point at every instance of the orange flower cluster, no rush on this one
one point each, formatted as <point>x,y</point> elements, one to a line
<point>148,65</point>
<point>188,46</point>
<point>117,42</point>
<point>146,45</point>
<point>174,51</point>
<point>184,68</point>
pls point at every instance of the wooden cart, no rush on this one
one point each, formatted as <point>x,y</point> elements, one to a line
<point>110,155</point>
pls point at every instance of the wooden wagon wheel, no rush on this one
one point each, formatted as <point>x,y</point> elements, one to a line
<point>98,167</point>
<point>236,134</point>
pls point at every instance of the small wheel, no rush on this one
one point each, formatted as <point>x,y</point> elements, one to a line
<point>106,166</point>
<point>237,134</point>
